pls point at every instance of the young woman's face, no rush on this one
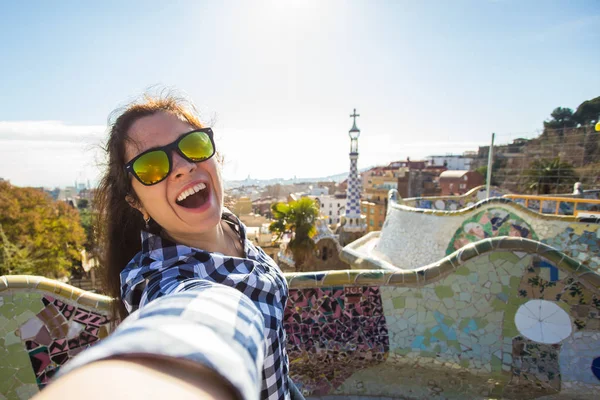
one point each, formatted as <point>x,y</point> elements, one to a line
<point>199,212</point>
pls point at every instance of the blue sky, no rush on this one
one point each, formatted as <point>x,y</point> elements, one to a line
<point>278,79</point>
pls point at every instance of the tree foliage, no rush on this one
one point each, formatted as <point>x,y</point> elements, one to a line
<point>298,218</point>
<point>588,112</point>
<point>545,176</point>
<point>45,236</point>
<point>14,260</point>
<point>83,204</point>
<point>561,118</point>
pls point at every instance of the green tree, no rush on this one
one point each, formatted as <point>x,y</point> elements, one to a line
<point>48,232</point>
<point>83,203</point>
<point>545,176</point>
<point>588,112</point>
<point>86,217</point>
<point>14,260</point>
<point>483,172</point>
<point>560,118</point>
<point>298,218</point>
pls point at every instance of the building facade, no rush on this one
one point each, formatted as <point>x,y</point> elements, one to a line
<point>374,214</point>
<point>331,208</point>
<point>452,162</point>
<point>459,182</point>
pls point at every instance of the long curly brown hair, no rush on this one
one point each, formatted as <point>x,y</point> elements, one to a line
<point>118,224</point>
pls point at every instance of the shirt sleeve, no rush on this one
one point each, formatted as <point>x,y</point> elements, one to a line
<point>210,324</point>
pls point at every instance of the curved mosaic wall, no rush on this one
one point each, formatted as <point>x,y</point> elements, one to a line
<point>493,222</point>
<point>453,203</point>
<point>412,237</point>
<point>44,323</point>
<point>448,330</point>
<point>479,193</point>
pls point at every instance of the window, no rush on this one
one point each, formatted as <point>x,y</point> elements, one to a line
<point>322,205</point>
<point>462,186</point>
<point>380,224</point>
<point>371,222</point>
<point>364,209</point>
<point>338,205</point>
<point>372,211</point>
<point>329,212</point>
<point>381,211</point>
<point>330,205</point>
<point>330,220</point>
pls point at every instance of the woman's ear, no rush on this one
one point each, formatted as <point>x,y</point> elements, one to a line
<point>135,204</point>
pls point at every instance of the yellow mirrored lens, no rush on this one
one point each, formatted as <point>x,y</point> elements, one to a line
<point>197,146</point>
<point>152,167</point>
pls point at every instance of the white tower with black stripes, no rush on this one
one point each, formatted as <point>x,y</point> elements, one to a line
<point>354,221</point>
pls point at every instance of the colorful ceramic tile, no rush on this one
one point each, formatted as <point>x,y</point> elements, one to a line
<point>333,332</point>
<point>493,222</point>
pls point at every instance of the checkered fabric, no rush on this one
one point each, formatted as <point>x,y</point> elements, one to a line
<point>230,328</point>
<point>353,191</point>
<point>163,268</point>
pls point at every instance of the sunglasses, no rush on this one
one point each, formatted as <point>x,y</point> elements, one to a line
<point>154,165</point>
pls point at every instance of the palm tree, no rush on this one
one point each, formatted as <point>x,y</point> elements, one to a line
<point>296,217</point>
<point>545,175</point>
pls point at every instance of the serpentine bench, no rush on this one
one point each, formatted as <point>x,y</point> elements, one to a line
<point>503,318</point>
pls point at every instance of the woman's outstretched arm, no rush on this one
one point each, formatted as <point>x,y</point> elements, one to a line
<point>208,341</point>
<point>139,379</point>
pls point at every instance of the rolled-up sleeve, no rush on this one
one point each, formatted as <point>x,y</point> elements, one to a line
<point>210,324</point>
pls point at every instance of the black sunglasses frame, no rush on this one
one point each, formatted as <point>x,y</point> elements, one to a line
<point>168,149</point>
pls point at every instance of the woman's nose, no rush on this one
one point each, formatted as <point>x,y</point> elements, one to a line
<point>181,166</point>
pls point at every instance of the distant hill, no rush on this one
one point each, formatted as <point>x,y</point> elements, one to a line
<point>230,184</point>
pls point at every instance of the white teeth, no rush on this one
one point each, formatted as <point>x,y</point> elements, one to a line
<point>200,186</point>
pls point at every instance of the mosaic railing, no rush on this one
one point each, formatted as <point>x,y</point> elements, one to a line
<point>453,329</point>
<point>562,206</point>
<point>586,205</point>
<point>413,237</point>
<point>453,203</point>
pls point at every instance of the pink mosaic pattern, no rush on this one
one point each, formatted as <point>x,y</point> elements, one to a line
<point>332,333</point>
<point>58,333</point>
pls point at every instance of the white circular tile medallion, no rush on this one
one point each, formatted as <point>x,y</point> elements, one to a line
<point>543,322</point>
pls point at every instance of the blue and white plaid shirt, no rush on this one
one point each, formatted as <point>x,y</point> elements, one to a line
<point>164,267</point>
<point>230,325</point>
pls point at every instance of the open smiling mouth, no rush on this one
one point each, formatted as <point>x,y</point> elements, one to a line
<point>194,197</point>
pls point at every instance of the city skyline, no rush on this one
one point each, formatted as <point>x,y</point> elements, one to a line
<point>278,80</point>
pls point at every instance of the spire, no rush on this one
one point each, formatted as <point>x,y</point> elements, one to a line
<point>354,128</point>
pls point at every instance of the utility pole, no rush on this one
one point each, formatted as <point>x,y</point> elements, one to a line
<point>489,168</point>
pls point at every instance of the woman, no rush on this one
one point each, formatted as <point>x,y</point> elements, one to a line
<point>165,233</point>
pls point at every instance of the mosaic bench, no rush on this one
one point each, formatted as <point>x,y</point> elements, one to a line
<point>453,203</point>
<point>414,237</point>
<point>454,329</point>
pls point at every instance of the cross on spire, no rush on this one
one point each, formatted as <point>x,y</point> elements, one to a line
<point>354,128</point>
<point>354,115</point>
